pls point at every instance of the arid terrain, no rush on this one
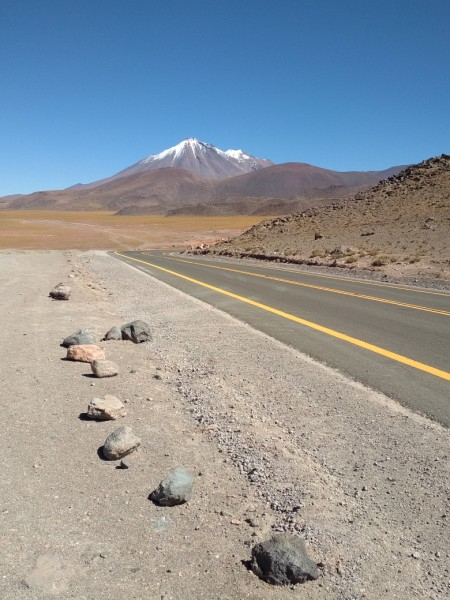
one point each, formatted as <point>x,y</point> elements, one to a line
<point>197,178</point>
<point>399,227</point>
<point>60,230</point>
<point>275,441</point>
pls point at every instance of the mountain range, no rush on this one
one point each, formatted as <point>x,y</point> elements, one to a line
<point>195,177</point>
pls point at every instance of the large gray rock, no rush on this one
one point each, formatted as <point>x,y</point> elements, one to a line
<point>119,443</point>
<point>136,331</point>
<point>104,368</point>
<point>79,338</point>
<point>283,560</point>
<point>107,408</point>
<point>176,489</point>
<point>115,333</point>
<point>60,292</point>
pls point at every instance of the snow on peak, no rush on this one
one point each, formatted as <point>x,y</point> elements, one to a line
<point>204,159</point>
<point>238,154</point>
<point>179,150</point>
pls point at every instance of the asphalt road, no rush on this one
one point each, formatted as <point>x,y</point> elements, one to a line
<point>392,338</point>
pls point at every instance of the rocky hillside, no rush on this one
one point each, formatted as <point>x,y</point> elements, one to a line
<point>401,225</point>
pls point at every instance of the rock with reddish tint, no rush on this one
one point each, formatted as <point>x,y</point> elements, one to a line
<point>106,409</point>
<point>85,353</point>
<point>60,292</point>
<point>115,333</point>
<point>119,443</point>
<point>136,331</point>
<point>283,560</point>
<point>104,368</point>
<point>176,489</point>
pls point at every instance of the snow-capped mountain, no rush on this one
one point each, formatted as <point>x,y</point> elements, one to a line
<point>205,160</point>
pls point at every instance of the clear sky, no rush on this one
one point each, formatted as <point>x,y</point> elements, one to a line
<point>89,87</point>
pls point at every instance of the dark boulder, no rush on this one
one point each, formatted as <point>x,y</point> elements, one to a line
<point>283,560</point>
<point>136,331</point>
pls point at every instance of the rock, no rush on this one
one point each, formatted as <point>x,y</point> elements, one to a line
<point>82,336</point>
<point>107,408</point>
<point>283,560</point>
<point>119,443</point>
<point>115,333</point>
<point>177,489</point>
<point>60,292</point>
<point>85,353</point>
<point>136,331</point>
<point>318,236</point>
<point>104,368</point>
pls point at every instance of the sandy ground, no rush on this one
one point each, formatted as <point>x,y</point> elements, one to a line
<point>62,230</point>
<point>297,447</point>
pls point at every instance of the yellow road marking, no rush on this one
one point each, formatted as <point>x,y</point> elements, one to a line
<point>315,287</point>
<point>336,334</point>
<point>359,281</point>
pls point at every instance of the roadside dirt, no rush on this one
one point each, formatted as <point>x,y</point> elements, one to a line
<point>275,441</point>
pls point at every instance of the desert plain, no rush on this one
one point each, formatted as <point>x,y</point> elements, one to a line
<point>84,230</point>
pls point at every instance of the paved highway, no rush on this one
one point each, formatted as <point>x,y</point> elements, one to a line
<point>393,338</point>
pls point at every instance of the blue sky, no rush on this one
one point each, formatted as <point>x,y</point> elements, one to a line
<point>90,87</point>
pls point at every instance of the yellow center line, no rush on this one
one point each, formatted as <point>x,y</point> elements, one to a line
<point>336,334</point>
<point>359,281</point>
<point>316,287</point>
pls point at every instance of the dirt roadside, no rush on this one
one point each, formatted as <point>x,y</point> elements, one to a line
<point>297,447</point>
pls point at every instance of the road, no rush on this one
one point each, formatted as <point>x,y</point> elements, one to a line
<point>392,338</point>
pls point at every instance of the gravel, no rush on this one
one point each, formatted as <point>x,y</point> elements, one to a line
<point>276,443</point>
<point>362,479</point>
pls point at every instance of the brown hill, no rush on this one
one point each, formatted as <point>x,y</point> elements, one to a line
<point>401,225</point>
<point>272,190</point>
<point>294,180</point>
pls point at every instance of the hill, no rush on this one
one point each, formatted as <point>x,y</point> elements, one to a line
<point>401,225</point>
<point>271,190</point>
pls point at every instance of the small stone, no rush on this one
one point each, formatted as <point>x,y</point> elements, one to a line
<point>415,555</point>
<point>119,443</point>
<point>212,427</point>
<point>235,522</point>
<point>176,489</point>
<point>80,337</point>
<point>114,333</point>
<point>107,408</point>
<point>252,522</point>
<point>60,292</point>
<point>136,331</point>
<point>104,368</point>
<point>283,560</point>
<point>85,353</point>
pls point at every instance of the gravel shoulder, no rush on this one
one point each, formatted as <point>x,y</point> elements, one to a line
<point>275,442</point>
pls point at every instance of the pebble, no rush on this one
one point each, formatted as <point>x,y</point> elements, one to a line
<point>104,368</point>
<point>85,353</point>
<point>119,443</point>
<point>107,408</point>
<point>282,560</point>
<point>176,489</point>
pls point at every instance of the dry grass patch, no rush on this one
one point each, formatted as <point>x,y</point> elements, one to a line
<point>57,230</point>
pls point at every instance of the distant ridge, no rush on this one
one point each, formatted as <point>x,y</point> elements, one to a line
<point>194,177</point>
